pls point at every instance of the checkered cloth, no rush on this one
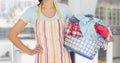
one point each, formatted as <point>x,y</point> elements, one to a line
<point>73,29</point>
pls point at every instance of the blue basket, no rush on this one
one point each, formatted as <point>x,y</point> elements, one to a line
<point>83,46</point>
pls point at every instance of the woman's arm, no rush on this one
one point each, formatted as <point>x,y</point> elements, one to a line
<point>13,37</point>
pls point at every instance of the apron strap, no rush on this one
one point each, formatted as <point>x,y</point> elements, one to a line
<point>58,11</point>
<point>39,12</point>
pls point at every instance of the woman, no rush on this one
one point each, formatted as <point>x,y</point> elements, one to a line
<point>47,19</point>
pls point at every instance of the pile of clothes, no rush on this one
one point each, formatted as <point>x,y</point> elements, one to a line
<point>87,26</point>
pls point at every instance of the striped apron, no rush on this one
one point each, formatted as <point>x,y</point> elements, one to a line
<point>49,35</point>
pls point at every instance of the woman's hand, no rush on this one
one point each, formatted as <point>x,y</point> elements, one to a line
<point>110,40</point>
<point>38,49</point>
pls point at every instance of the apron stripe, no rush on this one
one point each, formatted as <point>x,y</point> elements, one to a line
<point>46,42</point>
<point>61,34</point>
<point>43,43</point>
<point>37,38</point>
<point>49,39</point>
<point>52,37</point>
<point>57,48</point>
<point>68,54</point>
<point>59,28</point>
<point>66,60</point>
<point>39,41</point>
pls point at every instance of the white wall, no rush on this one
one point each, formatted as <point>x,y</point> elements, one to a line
<point>83,6</point>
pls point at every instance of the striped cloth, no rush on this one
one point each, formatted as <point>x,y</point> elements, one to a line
<point>49,35</point>
<point>51,40</point>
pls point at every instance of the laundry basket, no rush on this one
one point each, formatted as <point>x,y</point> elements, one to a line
<point>83,40</point>
<point>83,46</point>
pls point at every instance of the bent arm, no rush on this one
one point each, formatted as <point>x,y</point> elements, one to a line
<point>13,36</point>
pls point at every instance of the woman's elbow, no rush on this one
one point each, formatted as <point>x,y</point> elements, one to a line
<point>11,35</point>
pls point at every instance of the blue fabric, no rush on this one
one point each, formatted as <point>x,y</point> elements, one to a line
<point>74,19</point>
<point>89,16</point>
<point>87,26</point>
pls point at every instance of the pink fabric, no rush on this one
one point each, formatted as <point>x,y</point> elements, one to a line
<point>73,29</point>
<point>102,30</point>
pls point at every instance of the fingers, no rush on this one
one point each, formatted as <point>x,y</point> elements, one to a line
<point>110,40</point>
<point>38,49</point>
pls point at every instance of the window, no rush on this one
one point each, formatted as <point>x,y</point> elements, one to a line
<point>11,11</point>
<point>109,15</point>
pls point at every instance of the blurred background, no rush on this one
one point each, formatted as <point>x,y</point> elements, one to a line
<point>11,10</point>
